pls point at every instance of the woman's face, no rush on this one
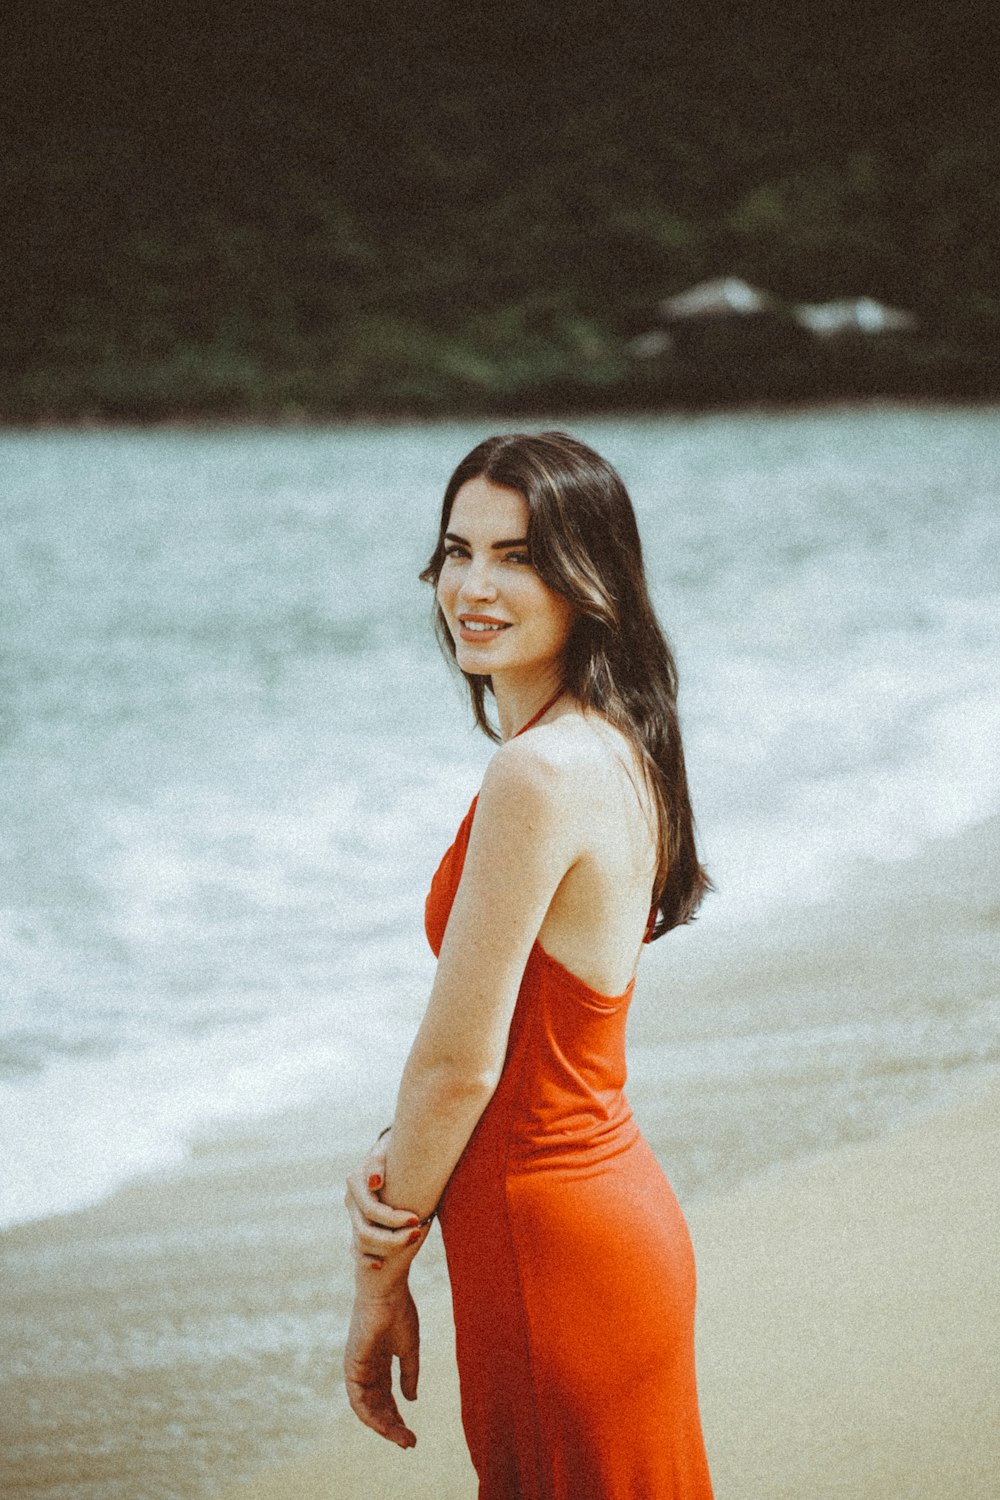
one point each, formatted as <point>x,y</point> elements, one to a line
<point>502,617</point>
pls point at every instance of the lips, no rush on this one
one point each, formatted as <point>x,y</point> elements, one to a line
<point>481,627</point>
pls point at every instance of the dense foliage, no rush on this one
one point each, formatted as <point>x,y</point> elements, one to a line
<point>259,209</point>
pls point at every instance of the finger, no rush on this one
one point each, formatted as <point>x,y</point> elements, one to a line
<point>372,1167</point>
<point>373,1209</point>
<point>374,1237</point>
<point>366,1262</point>
<point>388,1424</point>
<point>375,1158</point>
<point>370,1243</point>
<point>375,1241</point>
<point>371,1247</point>
<point>380,1238</point>
<point>409,1372</point>
<point>377,1409</point>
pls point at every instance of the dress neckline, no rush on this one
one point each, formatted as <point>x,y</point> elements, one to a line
<point>540,714</point>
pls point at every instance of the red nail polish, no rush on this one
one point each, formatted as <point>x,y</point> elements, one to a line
<point>412,1224</point>
<point>414,1238</point>
<point>374,1182</point>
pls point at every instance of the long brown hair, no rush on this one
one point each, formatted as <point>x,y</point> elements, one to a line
<point>584,544</point>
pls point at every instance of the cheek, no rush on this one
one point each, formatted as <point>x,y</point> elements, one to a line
<point>558,618</point>
<point>445,589</point>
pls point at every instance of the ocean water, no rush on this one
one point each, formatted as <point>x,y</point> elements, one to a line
<point>230,754</point>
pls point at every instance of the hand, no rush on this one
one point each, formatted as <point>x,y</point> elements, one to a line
<point>382,1327</point>
<point>379,1231</point>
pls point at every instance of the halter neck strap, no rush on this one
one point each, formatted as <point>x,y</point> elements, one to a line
<point>540,714</point>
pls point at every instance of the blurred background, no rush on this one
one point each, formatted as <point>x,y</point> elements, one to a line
<point>234,208</point>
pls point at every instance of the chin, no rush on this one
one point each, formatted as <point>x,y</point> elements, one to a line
<point>475,666</point>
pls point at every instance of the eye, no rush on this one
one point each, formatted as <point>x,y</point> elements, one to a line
<point>453,549</point>
<point>518,557</point>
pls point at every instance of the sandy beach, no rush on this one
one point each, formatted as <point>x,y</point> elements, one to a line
<point>849,1337</point>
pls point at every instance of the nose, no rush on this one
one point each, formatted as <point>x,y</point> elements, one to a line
<point>478,580</point>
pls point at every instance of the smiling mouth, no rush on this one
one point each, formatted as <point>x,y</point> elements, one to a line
<point>481,625</point>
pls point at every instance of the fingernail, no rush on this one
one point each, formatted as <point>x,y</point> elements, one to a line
<point>414,1237</point>
<point>374,1182</point>
<point>376,1265</point>
<point>412,1224</point>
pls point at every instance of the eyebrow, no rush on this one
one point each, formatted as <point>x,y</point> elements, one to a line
<point>516,541</point>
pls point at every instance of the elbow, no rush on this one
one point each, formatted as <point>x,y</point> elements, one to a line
<point>460,1088</point>
<point>454,1087</point>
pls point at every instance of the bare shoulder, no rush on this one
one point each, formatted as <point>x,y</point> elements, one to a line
<point>559,767</point>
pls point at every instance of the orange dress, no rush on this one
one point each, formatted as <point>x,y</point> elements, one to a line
<point>571,1266</point>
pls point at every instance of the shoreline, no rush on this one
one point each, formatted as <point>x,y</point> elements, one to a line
<point>306,421</point>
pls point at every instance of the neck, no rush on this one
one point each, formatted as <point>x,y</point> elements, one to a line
<point>521,701</point>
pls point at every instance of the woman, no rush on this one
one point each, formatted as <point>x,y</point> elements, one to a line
<point>571,1268</point>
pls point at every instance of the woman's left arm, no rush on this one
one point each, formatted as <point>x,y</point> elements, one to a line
<point>524,839</point>
<point>521,846</point>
